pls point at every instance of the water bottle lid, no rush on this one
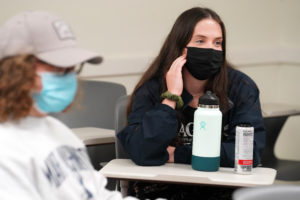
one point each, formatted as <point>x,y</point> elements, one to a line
<point>209,98</point>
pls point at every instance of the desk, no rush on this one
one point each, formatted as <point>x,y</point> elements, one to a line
<point>125,169</point>
<point>279,110</point>
<point>275,116</point>
<point>95,136</point>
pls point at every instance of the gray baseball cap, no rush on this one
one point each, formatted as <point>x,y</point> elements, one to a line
<point>45,36</point>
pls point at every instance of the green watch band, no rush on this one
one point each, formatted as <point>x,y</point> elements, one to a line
<point>173,97</point>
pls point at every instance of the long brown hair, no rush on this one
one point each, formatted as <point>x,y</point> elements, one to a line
<point>17,76</point>
<point>176,41</point>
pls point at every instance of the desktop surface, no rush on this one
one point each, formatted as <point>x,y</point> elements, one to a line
<point>125,169</point>
<point>95,136</point>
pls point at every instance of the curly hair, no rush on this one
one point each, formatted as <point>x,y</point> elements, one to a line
<point>17,77</point>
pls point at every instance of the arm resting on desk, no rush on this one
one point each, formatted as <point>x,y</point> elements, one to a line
<point>151,128</point>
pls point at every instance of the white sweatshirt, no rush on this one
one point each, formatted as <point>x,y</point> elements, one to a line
<point>40,158</point>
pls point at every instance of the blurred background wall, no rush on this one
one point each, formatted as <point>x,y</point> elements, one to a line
<point>263,41</point>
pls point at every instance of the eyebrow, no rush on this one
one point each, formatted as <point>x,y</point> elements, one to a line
<point>203,36</point>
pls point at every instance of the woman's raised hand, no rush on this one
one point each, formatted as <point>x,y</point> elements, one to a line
<point>174,76</point>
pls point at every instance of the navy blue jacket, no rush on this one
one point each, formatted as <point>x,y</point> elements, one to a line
<point>152,126</point>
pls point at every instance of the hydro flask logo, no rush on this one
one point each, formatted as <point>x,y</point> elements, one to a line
<point>202,125</point>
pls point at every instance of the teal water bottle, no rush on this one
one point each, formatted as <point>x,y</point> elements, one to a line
<point>207,134</point>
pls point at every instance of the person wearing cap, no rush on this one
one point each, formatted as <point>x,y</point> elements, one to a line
<point>40,157</point>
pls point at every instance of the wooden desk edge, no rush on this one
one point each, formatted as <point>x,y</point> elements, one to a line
<point>187,180</point>
<point>279,110</point>
<point>215,183</point>
<point>99,141</point>
<point>109,138</point>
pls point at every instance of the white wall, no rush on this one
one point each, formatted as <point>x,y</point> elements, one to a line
<point>263,41</point>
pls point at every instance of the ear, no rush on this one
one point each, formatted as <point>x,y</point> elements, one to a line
<point>184,51</point>
<point>38,85</point>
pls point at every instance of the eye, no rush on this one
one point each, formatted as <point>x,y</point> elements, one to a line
<point>200,41</point>
<point>218,43</point>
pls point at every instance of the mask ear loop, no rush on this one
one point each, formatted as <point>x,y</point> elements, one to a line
<point>80,68</point>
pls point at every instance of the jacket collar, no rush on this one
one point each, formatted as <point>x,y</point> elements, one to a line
<point>186,97</point>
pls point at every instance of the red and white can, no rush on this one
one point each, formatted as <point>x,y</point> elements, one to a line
<point>244,134</point>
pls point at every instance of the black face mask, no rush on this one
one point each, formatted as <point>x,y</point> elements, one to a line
<point>203,63</point>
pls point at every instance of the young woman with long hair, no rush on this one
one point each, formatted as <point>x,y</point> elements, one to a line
<point>191,61</point>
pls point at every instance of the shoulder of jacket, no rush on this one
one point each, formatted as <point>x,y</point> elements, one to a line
<point>152,86</point>
<point>238,79</point>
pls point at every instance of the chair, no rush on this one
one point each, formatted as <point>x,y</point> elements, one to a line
<point>274,192</point>
<point>96,110</point>
<point>287,170</point>
<point>120,123</point>
<point>96,106</point>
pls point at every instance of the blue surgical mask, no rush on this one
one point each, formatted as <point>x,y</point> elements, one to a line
<point>58,92</point>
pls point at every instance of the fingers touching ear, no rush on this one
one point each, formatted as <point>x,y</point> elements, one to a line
<point>184,52</point>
